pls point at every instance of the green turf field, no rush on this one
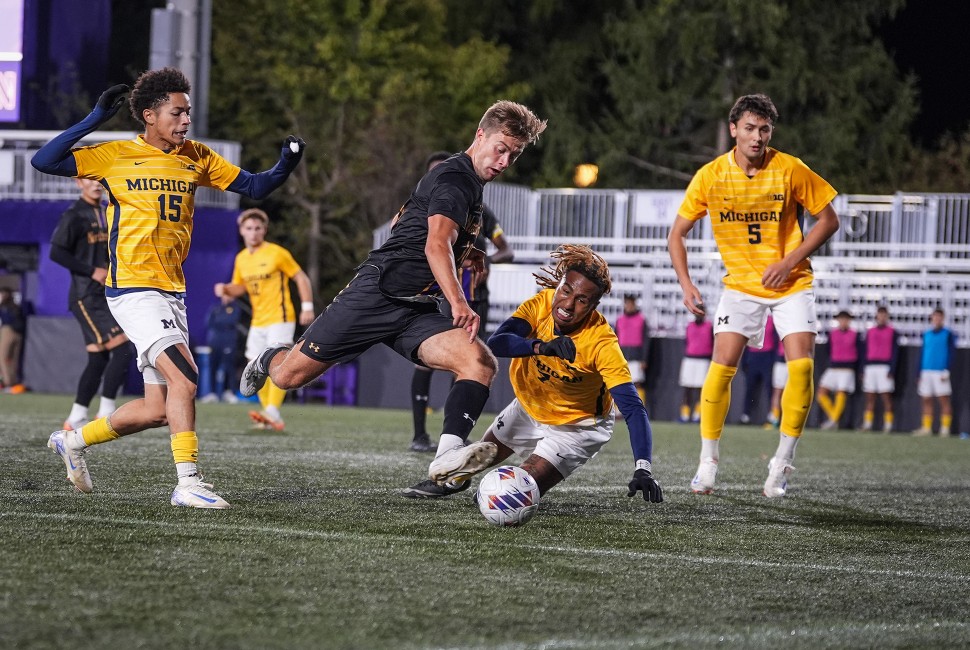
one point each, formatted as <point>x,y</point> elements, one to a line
<point>870,549</point>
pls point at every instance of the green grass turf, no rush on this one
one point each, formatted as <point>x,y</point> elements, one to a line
<point>870,549</point>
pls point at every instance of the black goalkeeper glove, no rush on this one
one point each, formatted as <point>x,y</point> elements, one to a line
<point>292,150</point>
<point>112,99</point>
<point>644,480</point>
<point>562,347</point>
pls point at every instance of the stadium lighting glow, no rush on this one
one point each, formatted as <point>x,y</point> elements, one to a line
<point>585,175</point>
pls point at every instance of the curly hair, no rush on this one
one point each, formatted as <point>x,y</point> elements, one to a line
<point>152,89</point>
<point>573,257</point>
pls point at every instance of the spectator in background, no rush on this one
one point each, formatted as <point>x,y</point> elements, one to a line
<point>882,354</point>
<point>264,270</point>
<point>839,378</point>
<point>222,336</point>
<point>80,244</point>
<point>634,336</point>
<point>475,287</point>
<point>698,347</point>
<point>757,364</point>
<point>779,377</point>
<point>12,328</point>
<point>939,349</point>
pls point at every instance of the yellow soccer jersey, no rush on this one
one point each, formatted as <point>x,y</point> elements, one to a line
<point>266,274</point>
<point>755,220</point>
<point>151,196</point>
<point>554,391</point>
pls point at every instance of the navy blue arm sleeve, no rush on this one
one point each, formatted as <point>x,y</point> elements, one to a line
<point>55,157</point>
<point>262,184</point>
<point>635,414</point>
<point>511,339</point>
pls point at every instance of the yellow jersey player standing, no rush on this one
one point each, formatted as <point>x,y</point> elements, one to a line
<point>567,371</point>
<point>151,182</point>
<point>264,270</point>
<point>753,194</point>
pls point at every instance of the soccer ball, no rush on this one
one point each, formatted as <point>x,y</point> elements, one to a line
<point>508,496</point>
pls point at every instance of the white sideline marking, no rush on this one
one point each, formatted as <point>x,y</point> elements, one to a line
<point>570,550</point>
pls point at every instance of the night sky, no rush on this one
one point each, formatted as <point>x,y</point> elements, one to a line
<point>930,39</point>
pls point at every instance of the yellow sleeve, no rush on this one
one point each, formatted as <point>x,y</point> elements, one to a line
<point>612,365</point>
<point>695,200</point>
<point>286,263</point>
<point>810,190</point>
<point>217,171</point>
<point>529,310</point>
<point>95,161</point>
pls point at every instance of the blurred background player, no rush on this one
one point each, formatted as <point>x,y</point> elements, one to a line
<point>755,196</point>
<point>845,352</point>
<point>879,375</point>
<point>757,364</point>
<point>222,324</point>
<point>80,244</point>
<point>475,287</point>
<point>939,350</point>
<point>567,369</point>
<point>12,329</point>
<point>264,270</point>
<point>779,377</point>
<point>634,337</point>
<point>150,217</point>
<point>698,347</point>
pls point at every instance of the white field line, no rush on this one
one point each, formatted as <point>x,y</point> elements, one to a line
<point>565,550</point>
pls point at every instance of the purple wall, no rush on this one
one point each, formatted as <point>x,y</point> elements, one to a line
<point>215,242</point>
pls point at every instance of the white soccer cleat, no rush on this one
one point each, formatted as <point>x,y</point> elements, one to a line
<point>777,484</point>
<point>77,468</point>
<point>703,481</point>
<point>193,493</point>
<point>829,425</point>
<point>462,462</point>
<point>923,432</point>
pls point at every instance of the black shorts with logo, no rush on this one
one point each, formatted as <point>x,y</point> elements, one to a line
<point>97,324</point>
<point>360,317</point>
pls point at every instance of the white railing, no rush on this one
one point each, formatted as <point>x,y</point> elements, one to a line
<point>910,252</point>
<point>18,180</point>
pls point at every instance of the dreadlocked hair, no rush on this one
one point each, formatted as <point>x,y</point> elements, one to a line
<point>573,257</point>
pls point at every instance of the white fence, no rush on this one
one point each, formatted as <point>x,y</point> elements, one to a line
<point>910,252</point>
<point>18,180</point>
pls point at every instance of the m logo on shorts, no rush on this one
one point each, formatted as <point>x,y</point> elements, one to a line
<point>722,320</point>
<point>168,324</point>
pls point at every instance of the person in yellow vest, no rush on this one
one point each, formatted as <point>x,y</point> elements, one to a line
<point>753,195</point>
<point>151,181</point>
<point>264,270</point>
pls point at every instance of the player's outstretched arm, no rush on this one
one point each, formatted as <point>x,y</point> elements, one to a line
<point>641,439</point>
<point>262,184</point>
<point>55,157</point>
<point>511,339</point>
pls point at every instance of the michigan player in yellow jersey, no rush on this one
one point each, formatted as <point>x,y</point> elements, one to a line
<point>753,195</point>
<point>264,270</point>
<point>151,183</point>
<point>567,371</point>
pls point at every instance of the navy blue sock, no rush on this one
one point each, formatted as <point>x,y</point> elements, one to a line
<point>463,407</point>
<point>87,385</point>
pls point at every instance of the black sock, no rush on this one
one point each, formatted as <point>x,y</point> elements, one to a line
<point>464,404</point>
<point>117,370</point>
<point>87,385</point>
<point>420,389</point>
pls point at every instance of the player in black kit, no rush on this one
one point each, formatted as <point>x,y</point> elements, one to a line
<point>80,244</point>
<point>394,299</point>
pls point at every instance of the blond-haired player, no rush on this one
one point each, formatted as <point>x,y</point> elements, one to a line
<point>264,270</point>
<point>151,182</point>
<point>752,195</point>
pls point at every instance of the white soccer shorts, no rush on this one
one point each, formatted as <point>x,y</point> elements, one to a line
<point>567,446</point>
<point>876,378</point>
<point>275,335</point>
<point>838,380</point>
<point>779,375</point>
<point>636,371</point>
<point>153,321</point>
<point>747,315</point>
<point>693,372</point>
<point>934,383</point>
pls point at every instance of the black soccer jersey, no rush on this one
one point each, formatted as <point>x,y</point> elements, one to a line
<point>80,243</point>
<point>451,189</point>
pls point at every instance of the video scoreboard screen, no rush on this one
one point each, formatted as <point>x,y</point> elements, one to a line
<point>11,58</point>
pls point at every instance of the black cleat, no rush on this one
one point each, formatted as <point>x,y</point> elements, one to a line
<point>428,489</point>
<point>423,444</point>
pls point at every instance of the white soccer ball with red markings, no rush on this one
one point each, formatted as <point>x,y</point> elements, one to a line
<point>508,496</point>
